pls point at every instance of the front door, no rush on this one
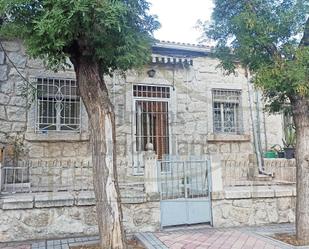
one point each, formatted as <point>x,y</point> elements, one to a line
<point>151,122</point>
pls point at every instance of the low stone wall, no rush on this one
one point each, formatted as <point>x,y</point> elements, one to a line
<point>19,225</point>
<point>255,205</point>
<point>237,172</point>
<point>284,170</point>
<point>27,217</point>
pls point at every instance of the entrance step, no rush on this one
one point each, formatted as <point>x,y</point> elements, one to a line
<point>187,227</point>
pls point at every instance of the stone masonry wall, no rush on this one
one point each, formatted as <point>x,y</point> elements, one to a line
<point>191,134</point>
<point>13,112</point>
<point>191,124</point>
<point>254,206</point>
<point>64,215</point>
<point>19,225</point>
<point>17,114</point>
<point>190,109</point>
<point>242,172</point>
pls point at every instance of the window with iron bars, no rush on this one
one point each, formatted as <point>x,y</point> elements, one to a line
<point>151,115</point>
<point>58,105</point>
<point>227,111</point>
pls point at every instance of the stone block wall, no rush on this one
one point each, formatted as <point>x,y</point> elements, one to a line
<point>190,109</point>
<point>236,172</point>
<point>191,124</point>
<point>17,112</point>
<point>254,206</point>
<point>41,223</point>
<point>58,150</point>
<point>284,170</point>
<point>13,111</point>
<point>62,215</point>
<point>191,134</point>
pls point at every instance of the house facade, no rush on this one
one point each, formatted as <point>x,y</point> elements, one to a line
<point>183,128</point>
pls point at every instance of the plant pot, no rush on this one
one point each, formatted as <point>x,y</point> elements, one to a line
<point>281,154</point>
<point>289,153</point>
<point>270,154</point>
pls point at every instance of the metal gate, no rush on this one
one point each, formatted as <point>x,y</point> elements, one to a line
<point>185,192</point>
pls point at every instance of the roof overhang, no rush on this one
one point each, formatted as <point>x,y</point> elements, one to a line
<point>178,53</point>
<point>160,59</point>
<point>193,48</point>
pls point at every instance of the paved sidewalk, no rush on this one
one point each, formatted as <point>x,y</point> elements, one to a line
<point>52,244</point>
<point>184,238</point>
<point>211,238</point>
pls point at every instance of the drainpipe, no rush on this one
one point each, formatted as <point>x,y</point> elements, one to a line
<point>254,126</point>
<point>258,123</point>
<point>265,135</point>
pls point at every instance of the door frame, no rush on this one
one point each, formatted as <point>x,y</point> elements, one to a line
<point>135,155</point>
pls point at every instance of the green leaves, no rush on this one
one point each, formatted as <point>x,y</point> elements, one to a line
<point>264,36</point>
<point>115,33</point>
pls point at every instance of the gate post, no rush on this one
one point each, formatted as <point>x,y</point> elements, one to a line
<point>216,173</point>
<point>151,172</point>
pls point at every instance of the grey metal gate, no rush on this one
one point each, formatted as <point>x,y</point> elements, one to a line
<point>185,188</point>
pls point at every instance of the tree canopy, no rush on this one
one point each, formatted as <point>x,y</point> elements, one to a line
<point>268,37</point>
<point>115,33</point>
<point>98,37</point>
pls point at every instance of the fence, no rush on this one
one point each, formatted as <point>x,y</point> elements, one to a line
<point>241,173</point>
<point>46,176</point>
<point>183,179</point>
<point>59,176</point>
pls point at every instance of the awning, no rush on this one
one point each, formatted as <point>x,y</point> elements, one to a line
<point>157,59</point>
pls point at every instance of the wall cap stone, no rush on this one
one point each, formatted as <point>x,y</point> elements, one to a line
<point>65,199</point>
<point>53,200</point>
<point>248,192</point>
<point>17,202</point>
<point>281,191</point>
<point>262,192</point>
<point>237,193</point>
<point>85,199</point>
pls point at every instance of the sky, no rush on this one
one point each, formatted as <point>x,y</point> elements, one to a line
<point>178,18</point>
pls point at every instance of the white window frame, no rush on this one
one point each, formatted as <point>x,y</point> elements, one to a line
<point>238,114</point>
<point>58,123</point>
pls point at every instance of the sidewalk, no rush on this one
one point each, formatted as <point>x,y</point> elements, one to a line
<point>52,244</point>
<point>211,238</point>
<point>184,238</point>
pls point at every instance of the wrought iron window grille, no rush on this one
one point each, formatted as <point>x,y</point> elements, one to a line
<point>227,111</point>
<point>58,105</point>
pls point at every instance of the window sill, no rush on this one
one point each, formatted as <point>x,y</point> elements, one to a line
<point>228,138</point>
<point>57,136</point>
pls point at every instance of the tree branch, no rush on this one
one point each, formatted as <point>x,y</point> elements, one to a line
<point>271,50</point>
<point>305,40</point>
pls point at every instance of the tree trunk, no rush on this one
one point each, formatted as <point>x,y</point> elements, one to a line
<point>301,118</point>
<point>101,116</point>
